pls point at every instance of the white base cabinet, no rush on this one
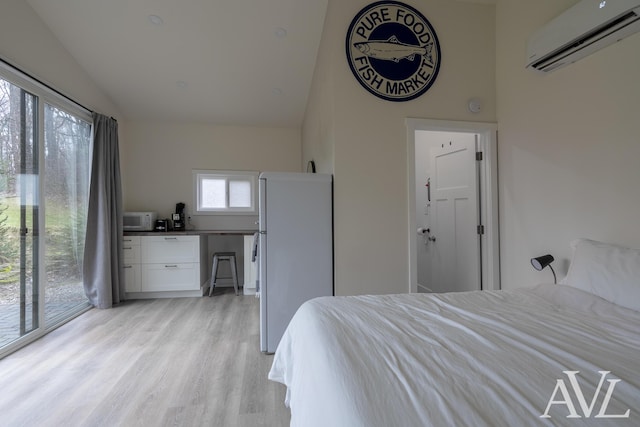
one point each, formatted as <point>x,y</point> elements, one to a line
<point>170,277</point>
<point>167,266</point>
<point>131,253</point>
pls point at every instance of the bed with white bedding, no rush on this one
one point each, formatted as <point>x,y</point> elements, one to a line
<point>486,358</point>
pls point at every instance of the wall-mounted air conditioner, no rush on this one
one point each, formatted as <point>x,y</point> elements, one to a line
<point>581,30</point>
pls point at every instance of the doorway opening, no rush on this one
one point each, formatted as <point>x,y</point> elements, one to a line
<point>427,250</point>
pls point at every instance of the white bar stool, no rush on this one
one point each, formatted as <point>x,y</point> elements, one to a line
<point>217,258</point>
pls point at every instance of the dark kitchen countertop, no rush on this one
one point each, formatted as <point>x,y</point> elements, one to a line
<point>189,232</point>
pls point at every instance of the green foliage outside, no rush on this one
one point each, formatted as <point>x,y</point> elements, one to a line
<point>8,244</point>
<point>64,239</point>
<point>63,163</point>
<point>8,248</point>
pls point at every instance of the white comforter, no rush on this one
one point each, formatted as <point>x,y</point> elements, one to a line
<point>490,358</point>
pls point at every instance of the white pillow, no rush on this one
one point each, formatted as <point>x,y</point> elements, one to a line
<point>609,271</point>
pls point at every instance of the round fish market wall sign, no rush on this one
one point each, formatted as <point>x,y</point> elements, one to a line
<point>393,51</point>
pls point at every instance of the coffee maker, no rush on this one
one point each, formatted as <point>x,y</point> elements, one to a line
<point>178,217</point>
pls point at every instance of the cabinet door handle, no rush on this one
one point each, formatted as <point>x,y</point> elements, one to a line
<point>170,266</point>
<point>128,266</point>
<point>170,238</point>
<point>125,248</point>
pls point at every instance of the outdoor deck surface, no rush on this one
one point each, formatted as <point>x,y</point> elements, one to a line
<point>10,318</point>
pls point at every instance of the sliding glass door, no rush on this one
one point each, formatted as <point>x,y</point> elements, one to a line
<point>67,148</point>
<point>19,213</point>
<point>44,190</point>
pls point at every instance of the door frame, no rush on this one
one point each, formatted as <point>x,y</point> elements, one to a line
<point>488,144</point>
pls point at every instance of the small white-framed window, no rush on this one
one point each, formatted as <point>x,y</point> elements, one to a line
<point>225,192</point>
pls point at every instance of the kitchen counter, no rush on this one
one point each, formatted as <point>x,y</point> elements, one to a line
<point>141,265</point>
<point>190,233</point>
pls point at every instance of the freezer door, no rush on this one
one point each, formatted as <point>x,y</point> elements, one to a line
<point>262,259</point>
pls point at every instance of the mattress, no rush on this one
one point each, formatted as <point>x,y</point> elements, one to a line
<point>546,355</point>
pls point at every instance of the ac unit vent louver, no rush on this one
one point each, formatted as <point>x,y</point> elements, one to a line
<point>583,29</point>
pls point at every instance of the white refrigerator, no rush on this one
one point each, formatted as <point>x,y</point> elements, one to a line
<point>295,247</point>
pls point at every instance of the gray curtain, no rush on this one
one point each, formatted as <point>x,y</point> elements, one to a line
<point>103,273</point>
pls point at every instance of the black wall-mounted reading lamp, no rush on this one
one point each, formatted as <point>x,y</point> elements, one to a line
<point>543,261</point>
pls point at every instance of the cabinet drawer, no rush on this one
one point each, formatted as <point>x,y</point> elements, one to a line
<point>170,249</point>
<point>170,277</point>
<point>131,253</point>
<point>130,240</point>
<point>132,277</point>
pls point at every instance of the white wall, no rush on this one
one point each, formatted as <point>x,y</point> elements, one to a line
<point>318,130</point>
<point>28,44</point>
<point>568,142</point>
<point>156,158</point>
<point>159,159</point>
<point>367,136</point>
<point>568,146</point>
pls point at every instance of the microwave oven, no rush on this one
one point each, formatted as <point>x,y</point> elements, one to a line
<point>139,221</point>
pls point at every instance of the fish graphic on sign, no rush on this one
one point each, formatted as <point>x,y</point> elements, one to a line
<point>393,49</point>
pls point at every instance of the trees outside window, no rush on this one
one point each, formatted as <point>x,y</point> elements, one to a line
<point>45,147</point>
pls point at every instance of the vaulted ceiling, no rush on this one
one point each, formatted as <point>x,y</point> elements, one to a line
<point>241,62</point>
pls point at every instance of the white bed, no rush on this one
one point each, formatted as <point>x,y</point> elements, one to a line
<point>490,358</point>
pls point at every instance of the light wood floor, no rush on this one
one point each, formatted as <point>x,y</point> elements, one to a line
<point>181,362</point>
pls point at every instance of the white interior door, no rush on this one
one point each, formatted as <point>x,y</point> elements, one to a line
<point>455,243</point>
